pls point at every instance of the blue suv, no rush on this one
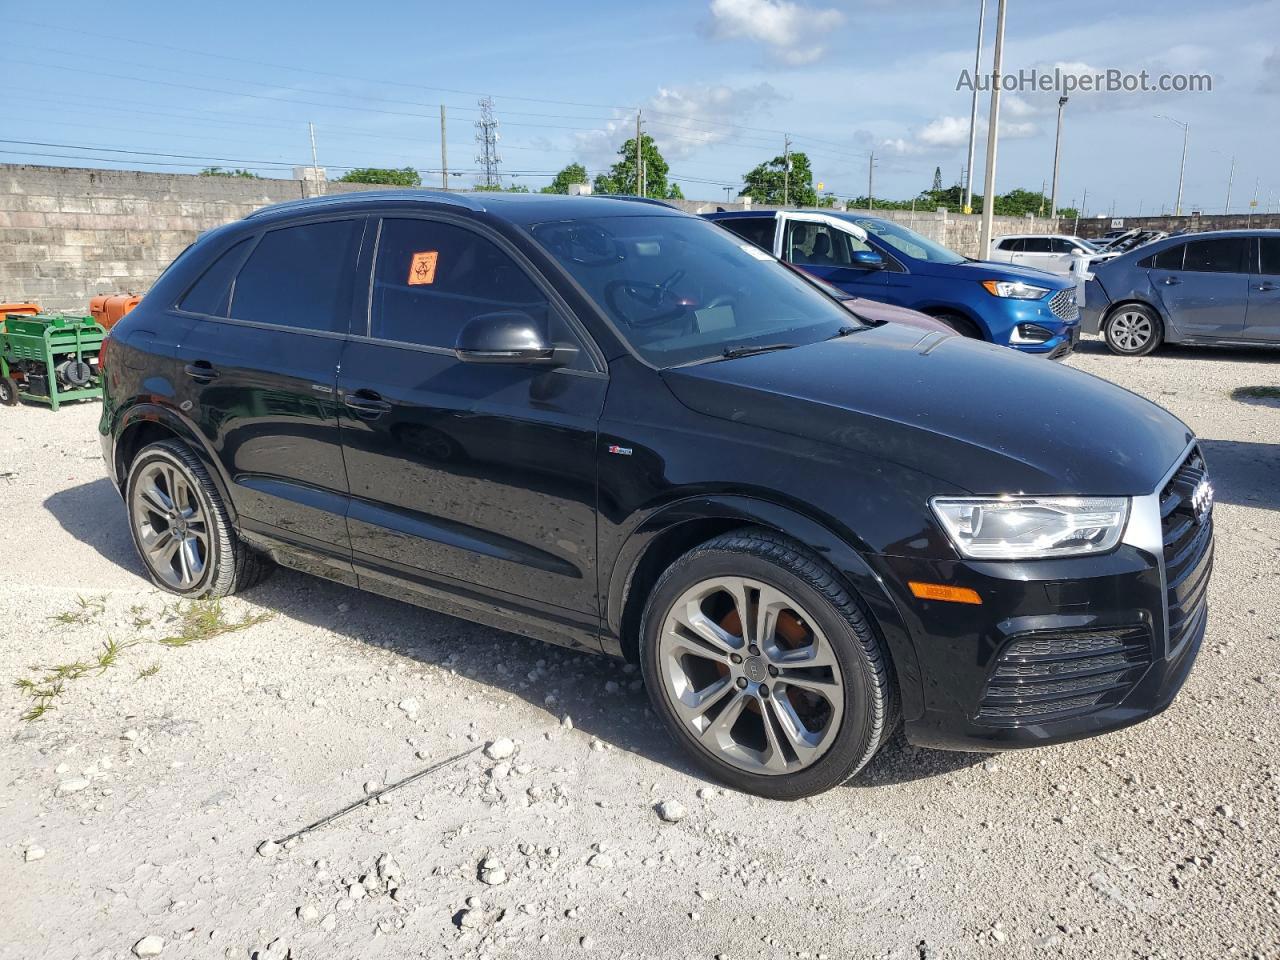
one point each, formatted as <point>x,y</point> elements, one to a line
<point>1018,307</point>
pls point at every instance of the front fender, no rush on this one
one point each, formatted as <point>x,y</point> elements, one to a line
<point>846,561</point>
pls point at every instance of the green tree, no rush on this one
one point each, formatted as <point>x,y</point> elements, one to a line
<point>769,182</point>
<point>621,177</point>
<point>573,173</point>
<point>674,192</point>
<point>237,172</point>
<point>404,177</point>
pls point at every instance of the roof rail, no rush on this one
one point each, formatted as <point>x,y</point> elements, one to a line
<point>427,196</point>
<point>634,199</point>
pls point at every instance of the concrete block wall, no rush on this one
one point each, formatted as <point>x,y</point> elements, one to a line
<point>68,234</point>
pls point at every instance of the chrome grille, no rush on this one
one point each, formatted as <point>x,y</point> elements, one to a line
<point>1063,305</point>
<point>1188,551</point>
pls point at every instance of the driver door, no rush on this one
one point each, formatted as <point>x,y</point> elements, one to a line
<point>824,246</point>
<point>478,480</point>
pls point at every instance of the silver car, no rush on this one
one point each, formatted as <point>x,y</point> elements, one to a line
<point>1219,288</point>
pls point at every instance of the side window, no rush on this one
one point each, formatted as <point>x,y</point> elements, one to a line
<point>757,230</point>
<point>1036,245</point>
<point>1013,245</point>
<point>1169,258</point>
<point>300,277</point>
<point>432,277</point>
<point>1270,255</point>
<point>1058,245</point>
<point>211,294</point>
<point>1221,255</point>
<point>818,245</point>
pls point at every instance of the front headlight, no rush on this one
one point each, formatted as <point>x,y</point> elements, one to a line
<point>1027,528</point>
<point>1014,289</point>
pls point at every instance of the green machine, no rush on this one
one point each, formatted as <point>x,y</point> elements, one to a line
<point>49,358</point>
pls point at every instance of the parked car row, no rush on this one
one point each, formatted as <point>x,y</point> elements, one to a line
<point>881,260</point>
<point>621,428</point>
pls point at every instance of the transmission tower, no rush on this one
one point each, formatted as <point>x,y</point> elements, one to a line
<point>487,139</point>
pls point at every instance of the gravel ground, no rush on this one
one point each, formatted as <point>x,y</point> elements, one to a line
<point>132,814</point>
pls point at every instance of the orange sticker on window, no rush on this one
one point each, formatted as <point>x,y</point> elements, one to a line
<point>423,267</point>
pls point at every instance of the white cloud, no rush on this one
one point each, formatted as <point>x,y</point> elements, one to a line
<point>793,31</point>
<point>949,133</point>
<point>681,120</point>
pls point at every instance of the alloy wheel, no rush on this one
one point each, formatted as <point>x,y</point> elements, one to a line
<point>171,526</point>
<point>751,675</point>
<point>1131,330</point>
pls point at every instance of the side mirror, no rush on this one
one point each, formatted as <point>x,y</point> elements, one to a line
<point>507,337</point>
<point>867,260</point>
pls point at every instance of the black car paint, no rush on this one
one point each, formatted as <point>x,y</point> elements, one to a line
<point>562,486</point>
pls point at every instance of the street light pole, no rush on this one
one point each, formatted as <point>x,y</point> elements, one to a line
<point>1182,169</point>
<point>993,137</point>
<point>967,206</point>
<point>1057,154</point>
<point>1230,178</point>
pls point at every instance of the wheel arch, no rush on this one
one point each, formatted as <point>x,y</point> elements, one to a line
<point>147,423</point>
<point>1136,301</point>
<point>672,530</point>
<point>937,310</point>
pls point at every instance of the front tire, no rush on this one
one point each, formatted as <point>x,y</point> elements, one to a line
<point>961,325</point>
<point>794,704</point>
<point>180,526</point>
<point>1133,330</point>
<point>8,392</point>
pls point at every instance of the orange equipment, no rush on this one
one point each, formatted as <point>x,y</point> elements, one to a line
<point>26,309</point>
<point>109,308</point>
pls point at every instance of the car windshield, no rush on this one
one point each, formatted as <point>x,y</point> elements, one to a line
<point>681,289</point>
<point>1087,245</point>
<point>908,241</point>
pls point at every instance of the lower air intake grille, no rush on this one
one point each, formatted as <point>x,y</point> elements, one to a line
<point>1052,676</point>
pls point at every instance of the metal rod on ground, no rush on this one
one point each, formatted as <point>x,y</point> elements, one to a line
<point>375,795</point>
<point>993,138</point>
<point>967,206</point>
<point>444,153</point>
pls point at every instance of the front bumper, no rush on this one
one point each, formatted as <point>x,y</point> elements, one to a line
<point>1061,649</point>
<point>1063,324</point>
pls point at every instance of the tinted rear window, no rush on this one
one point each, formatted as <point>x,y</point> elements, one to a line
<point>300,277</point>
<point>758,230</point>
<point>1270,255</point>
<point>1221,255</point>
<point>211,294</point>
<point>1167,259</point>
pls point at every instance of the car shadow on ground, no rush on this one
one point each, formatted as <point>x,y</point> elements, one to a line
<point>1244,473</point>
<point>1261,354</point>
<point>557,681</point>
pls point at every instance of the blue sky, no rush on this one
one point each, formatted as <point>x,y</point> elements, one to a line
<point>719,81</point>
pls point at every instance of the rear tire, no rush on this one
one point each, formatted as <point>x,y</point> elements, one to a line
<point>180,526</point>
<point>1133,330</point>
<point>766,723</point>
<point>9,392</point>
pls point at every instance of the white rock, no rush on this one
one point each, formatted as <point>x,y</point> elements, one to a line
<point>707,793</point>
<point>268,848</point>
<point>372,786</point>
<point>74,785</point>
<point>567,722</point>
<point>601,862</point>
<point>61,768</point>
<point>308,913</point>
<point>597,745</point>
<point>129,734</point>
<point>587,943</point>
<point>355,890</point>
<point>500,749</point>
<point>34,853</point>
<point>499,770</point>
<point>149,946</point>
<point>409,705</point>
<point>329,922</point>
<point>672,811</point>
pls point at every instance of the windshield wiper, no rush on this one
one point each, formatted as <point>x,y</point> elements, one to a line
<point>732,353</point>
<point>845,331</point>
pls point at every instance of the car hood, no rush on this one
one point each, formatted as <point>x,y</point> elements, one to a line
<point>979,270</point>
<point>979,418</point>
<point>879,312</point>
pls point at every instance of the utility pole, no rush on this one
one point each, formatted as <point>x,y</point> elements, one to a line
<point>1057,154</point>
<point>1230,177</point>
<point>639,168</point>
<point>444,153</point>
<point>1182,169</point>
<point>993,138</point>
<point>786,170</point>
<point>871,176</point>
<point>1253,204</point>
<point>315,166</point>
<point>973,111</point>
<point>1042,185</point>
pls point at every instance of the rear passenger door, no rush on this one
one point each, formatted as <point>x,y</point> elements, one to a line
<point>260,372</point>
<point>1262,322</point>
<point>468,480</point>
<point>1209,294</point>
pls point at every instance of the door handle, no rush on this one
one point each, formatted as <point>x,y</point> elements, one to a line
<point>1266,286</point>
<point>202,371</point>
<point>1170,281</point>
<point>366,404</point>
